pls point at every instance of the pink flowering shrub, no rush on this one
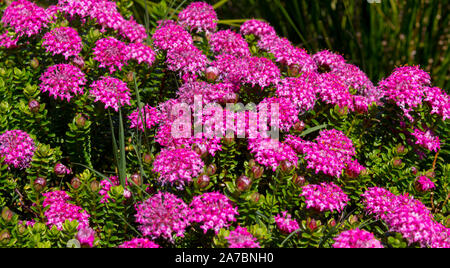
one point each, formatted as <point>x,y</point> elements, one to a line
<point>197,131</point>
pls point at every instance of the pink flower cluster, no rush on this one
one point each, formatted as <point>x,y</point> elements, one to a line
<point>262,72</point>
<point>229,42</point>
<point>356,238</point>
<point>423,184</point>
<point>63,81</point>
<point>111,53</point>
<point>210,93</point>
<point>214,210</point>
<point>63,40</point>
<point>300,90</point>
<point>105,187</point>
<point>162,215</point>
<point>17,148</point>
<point>257,28</point>
<point>58,210</point>
<point>407,216</point>
<point>286,112</point>
<point>271,153</point>
<point>141,53</point>
<point>8,41</point>
<point>170,35</point>
<point>331,152</point>
<point>150,115</point>
<point>199,17</point>
<point>241,238</point>
<point>105,13</point>
<point>439,101</point>
<point>405,87</point>
<point>26,18</point>
<point>178,166</point>
<point>139,243</point>
<point>285,223</point>
<point>332,90</point>
<point>427,140</point>
<point>325,197</point>
<point>186,60</point>
<point>86,236</point>
<point>111,91</point>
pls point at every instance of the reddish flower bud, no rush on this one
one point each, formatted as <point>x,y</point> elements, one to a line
<point>294,70</point>
<point>75,183</point>
<point>4,236</point>
<point>136,179</point>
<point>34,106</point>
<point>211,170</point>
<point>286,166</point>
<point>61,170</point>
<point>397,162</point>
<point>257,172</point>
<point>430,174</point>
<point>255,197</point>
<point>148,158</point>
<point>80,121</point>
<point>211,74</point>
<point>34,63</point>
<point>95,185</point>
<point>299,126</point>
<point>414,170</point>
<point>243,183</point>
<point>7,214</point>
<point>299,180</point>
<point>311,224</point>
<point>39,184</point>
<point>332,223</point>
<point>251,163</point>
<point>203,181</point>
<point>400,149</point>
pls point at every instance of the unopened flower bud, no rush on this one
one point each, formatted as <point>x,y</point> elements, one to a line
<point>4,236</point>
<point>136,179</point>
<point>7,214</point>
<point>95,185</point>
<point>75,183</point>
<point>34,106</point>
<point>414,170</point>
<point>148,158</point>
<point>294,70</point>
<point>126,193</point>
<point>80,121</point>
<point>430,174</point>
<point>86,236</point>
<point>299,126</point>
<point>61,170</point>
<point>243,183</point>
<point>34,63</point>
<point>286,166</point>
<point>332,223</point>
<point>397,162</point>
<point>257,172</point>
<point>39,184</point>
<point>400,149</point>
<point>255,197</point>
<point>203,181</point>
<point>311,224</point>
<point>353,219</point>
<point>211,170</point>
<point>299,180</point>
<point>251,163</point>
<point>211,74</point>
<point>130,77</point>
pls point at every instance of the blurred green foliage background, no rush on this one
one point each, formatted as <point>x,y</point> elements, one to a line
<point>375,36</point>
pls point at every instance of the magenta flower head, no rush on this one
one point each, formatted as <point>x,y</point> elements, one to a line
<point>139,243</point>
<point>58,210</point>
<point>63,81</point>
<point>86,236</point>
<point>241,238</point>
<point>150,114</point>
<point>325,197</point>
<point>199,17</point>
<point>17,148</point>
<point>439,101</point>
<point>186,60</point>
<point>162,215</point>
<point>285,223</point>
<point>64,41</point>
<point>332,90</point>
<point>178,166</point>
<point>61,170</point>
<point>26,18</point>
<point>427,140</point>
<point>111,53</point>
<point>141,53</point>
<point>169,35</point>
<point>214,210</point>
<point>328,61</point>
<point>229,42</point>
<point>271,153</point>
<point>356,239</point>
<point>300,90</point>
<point>257,28</point>
<point>287,112</point>
<point>132,30</point>
<point>111,91</point>
<point>8,41</point>
<point>424,184</point>
<point>262,72</point>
